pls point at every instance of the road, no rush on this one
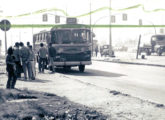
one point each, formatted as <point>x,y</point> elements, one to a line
<point>144,82</point>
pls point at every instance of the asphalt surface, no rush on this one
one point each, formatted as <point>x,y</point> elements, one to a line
<point>146,82</point>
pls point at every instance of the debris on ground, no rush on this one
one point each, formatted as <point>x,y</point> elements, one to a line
<point>30,105</point>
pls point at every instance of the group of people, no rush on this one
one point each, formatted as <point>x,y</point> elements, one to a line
<point>20,59</point>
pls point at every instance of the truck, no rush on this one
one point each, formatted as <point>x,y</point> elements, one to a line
<point>157,45</point>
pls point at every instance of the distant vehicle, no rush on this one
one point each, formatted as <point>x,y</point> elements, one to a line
<point>72,43</point>
<point>122,48</point>
<point>157,45</point>
<point>105,51</point>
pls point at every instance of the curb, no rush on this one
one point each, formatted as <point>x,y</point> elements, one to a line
<point>131,63</point>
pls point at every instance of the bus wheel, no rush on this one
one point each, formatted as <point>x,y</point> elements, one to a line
<point>81,68</point>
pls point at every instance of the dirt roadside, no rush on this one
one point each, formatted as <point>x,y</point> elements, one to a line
<point>30,105</point>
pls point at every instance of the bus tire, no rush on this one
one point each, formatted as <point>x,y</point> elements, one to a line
<point>81,68</point>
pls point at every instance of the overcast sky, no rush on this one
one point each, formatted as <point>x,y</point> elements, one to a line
<point>78,7</point>
<point>15,7</point>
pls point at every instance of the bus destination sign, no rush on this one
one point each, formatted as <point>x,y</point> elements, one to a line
<point>71,20</point>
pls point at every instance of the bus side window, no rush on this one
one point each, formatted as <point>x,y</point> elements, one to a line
<point>46,36</point>
<point>36,38</point>
<point>40,38</point>
<point>43,37</point>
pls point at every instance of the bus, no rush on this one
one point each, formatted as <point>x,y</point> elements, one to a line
<point>72,43</point>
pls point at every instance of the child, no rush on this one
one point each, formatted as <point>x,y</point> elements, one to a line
<point>11,69</point>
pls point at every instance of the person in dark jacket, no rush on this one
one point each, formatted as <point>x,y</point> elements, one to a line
<point>52,55</point>
<point>11,69</point>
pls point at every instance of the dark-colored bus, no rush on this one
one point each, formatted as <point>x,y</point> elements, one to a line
<point>72,43</point>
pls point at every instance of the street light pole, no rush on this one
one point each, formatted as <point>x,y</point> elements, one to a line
<point>110,32</point>
<point>91,28</point>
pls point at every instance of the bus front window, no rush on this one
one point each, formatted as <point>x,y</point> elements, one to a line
<point>71,37</point>
<point>80,36</point>
<point>66,39</point>
<point>54,37</point>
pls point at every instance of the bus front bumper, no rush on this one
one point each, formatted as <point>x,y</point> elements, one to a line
<point>73,63</point>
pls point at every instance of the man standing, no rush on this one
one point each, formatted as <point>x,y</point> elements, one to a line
<point>32,62</point>
<point>24,55</point>
<point>28,44</point>
<point>42,53</point>
<point>16,54</point>
<point>52,55</point>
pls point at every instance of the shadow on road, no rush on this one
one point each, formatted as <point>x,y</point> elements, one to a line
<point>89,72</point>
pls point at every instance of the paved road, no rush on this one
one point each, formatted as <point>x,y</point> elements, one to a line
<point>145,82</point>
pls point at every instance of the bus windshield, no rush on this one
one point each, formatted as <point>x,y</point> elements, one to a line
<point>78,36</point>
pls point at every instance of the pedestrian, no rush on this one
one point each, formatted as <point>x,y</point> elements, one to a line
<point>52,55</point>
<point>11,69</point>
<point>28,44</point>
<point>32,62</point>
<point>16,54</point>
<point>96,50</point>
<point>24,55</point>
<point>42,53</point>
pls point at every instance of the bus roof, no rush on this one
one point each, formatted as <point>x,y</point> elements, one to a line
<point>44,31</point>
<point>70,26</point>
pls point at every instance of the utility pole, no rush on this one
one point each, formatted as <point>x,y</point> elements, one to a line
<point>138,47</point>
<point>91,28</point>
<point>110,32</point>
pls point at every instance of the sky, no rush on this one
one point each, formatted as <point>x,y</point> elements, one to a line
<point>75,8</point>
